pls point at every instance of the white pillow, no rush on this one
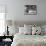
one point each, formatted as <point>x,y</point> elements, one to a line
<point>13,30</point>
<point>28,31</point>
<point>36,30</point>
<point>44,26</point>
<point>42,30</point>
<point>28,26</point>
<point>23,30</point>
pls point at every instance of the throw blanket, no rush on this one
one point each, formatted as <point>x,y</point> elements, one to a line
<point>29,40</point>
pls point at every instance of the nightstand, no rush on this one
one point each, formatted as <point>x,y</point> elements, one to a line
<point>6,40</point>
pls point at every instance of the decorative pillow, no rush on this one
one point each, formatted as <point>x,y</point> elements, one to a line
<point>36,30</point>
<point>23,30</point>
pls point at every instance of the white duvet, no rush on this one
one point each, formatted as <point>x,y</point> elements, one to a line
<point>29,40</point>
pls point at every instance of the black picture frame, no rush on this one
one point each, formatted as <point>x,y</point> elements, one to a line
<point>30,9</point>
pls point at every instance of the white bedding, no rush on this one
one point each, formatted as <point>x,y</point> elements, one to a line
<point>29,40</point>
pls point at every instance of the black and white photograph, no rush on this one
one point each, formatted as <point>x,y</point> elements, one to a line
<point>30,9</point>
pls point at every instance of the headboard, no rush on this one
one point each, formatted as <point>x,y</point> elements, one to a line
<point>21,23</point>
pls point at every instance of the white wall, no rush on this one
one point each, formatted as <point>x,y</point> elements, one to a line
<point>15,9</point>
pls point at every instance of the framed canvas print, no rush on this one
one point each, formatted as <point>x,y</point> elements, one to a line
<point>30,9</point>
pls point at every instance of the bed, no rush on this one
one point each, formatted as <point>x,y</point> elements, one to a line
<point>21,39</point>
<point>29,40</point>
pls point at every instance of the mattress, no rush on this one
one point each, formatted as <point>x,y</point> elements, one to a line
<point>28,40</point>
